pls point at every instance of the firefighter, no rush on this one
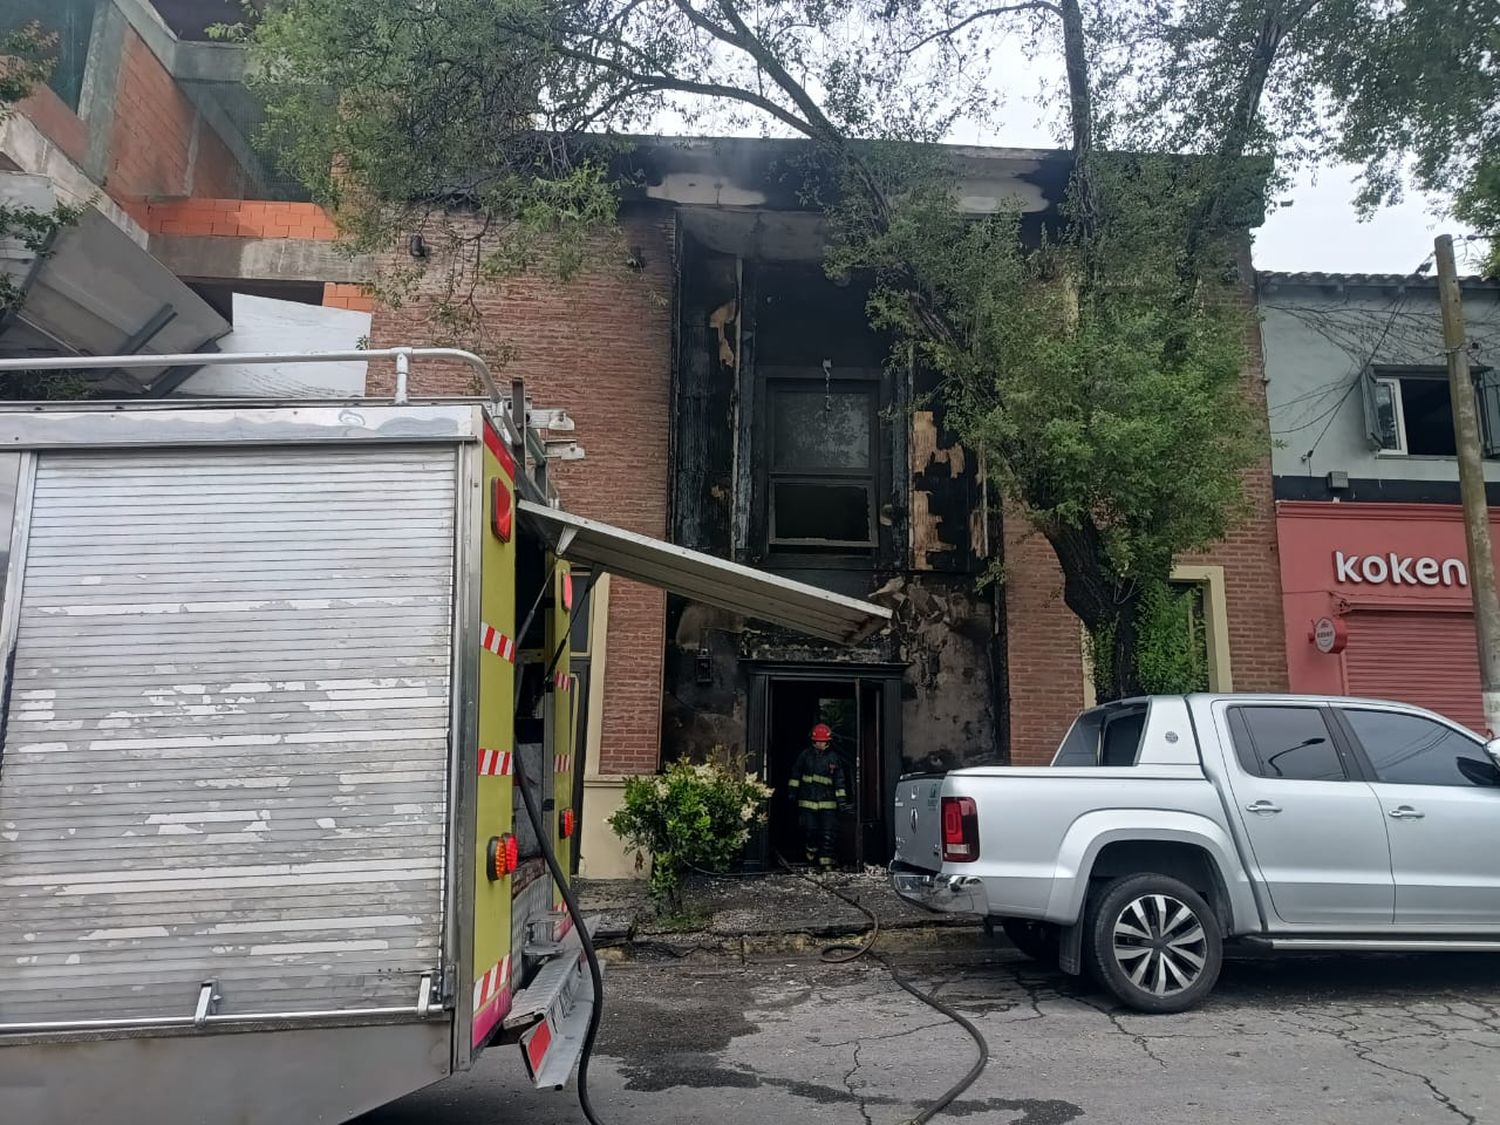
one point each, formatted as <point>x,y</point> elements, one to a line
<point>817,785</point>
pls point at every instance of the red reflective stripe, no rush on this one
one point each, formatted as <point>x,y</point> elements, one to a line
<point>536,1049</point>
<point>491,999</point>
<point>494,763</point>
<point>493,443</point>
<point>492,640</point>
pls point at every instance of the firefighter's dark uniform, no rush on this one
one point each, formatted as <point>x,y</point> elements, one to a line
<point>817,785</point>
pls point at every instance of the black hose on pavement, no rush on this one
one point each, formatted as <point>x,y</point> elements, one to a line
<point>844,952</point>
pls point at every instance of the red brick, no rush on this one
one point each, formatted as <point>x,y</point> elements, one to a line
<point>599,346</point>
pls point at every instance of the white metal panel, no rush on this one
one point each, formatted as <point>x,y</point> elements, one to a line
<point>742,589</point>
<point>265,324</point>
<point>227,741</point>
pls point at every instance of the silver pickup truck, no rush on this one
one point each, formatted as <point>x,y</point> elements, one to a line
<point>1166,827</point>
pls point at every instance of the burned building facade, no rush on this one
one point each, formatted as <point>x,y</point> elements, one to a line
<point>804,442</point>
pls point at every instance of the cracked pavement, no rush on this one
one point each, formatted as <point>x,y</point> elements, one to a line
<point>1371,1040</point>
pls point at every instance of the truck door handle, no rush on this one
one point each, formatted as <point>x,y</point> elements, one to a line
<point>1406,812</point>
<point>1262,807</point>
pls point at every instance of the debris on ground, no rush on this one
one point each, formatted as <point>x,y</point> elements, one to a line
<point>772,910</point>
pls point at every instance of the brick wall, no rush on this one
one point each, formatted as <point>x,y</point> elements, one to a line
<point>355,297</point>
<point>239,218</point>
<point>1045,638</point>
<point>158,145</point>
<point>599,346</point>
<point>1252,567</point>
<point>1044,646</point>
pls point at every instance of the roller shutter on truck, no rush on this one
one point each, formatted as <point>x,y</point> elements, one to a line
<point>228,731</point>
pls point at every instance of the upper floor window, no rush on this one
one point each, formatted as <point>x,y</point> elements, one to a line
<point>1409,411</point>
<point>822,468</point>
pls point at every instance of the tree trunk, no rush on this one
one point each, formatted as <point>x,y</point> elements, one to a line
<point>1121,679</point>
<point>1109,608</point>
<point>1081,120</point>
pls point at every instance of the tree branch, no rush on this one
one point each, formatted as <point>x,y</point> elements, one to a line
<point>650,82</point>
<point>750,43</point>
<point>1003,10</point>
<point>718,31</point>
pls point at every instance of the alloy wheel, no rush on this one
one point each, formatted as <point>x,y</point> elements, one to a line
<point>1159,944</point>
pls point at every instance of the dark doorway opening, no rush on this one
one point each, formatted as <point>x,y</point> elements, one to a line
<point>860,712</point>
<point>795,706</point>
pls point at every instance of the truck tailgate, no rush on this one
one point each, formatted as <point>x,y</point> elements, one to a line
<point>918,821</point>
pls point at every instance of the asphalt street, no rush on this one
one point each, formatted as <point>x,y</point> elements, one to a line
<point>1359,1040</point>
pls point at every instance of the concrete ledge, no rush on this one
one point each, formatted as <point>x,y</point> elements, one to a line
<point>205,257</point>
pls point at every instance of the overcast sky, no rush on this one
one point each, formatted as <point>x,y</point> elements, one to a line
<point>1318,231</point>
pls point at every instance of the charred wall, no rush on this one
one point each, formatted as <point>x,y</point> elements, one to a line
<point>745,324</point>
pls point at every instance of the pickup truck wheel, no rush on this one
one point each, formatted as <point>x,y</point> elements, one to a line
<point>1038,940</point>
<point>1154,943</point>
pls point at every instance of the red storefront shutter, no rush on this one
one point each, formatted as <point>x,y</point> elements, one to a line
<point>1424,658</point>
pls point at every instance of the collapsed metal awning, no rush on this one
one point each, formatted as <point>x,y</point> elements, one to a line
<point>746,591</point>
<point>95,292</point>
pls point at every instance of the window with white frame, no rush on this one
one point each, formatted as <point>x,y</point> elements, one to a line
<point>1409,411</point>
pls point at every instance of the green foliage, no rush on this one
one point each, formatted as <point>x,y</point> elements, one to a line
<point>35,231</point>
<point>429,119</point>
<point>26,59</point>
<point>1096,365</point>
<point>1169,658</point>
<point>1115,413</point>
<point>1409,91</point>
<point>689,816</point>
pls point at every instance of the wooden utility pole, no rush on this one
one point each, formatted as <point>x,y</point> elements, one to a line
<point>1471,484</point>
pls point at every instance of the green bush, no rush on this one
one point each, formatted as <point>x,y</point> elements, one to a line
<point>689,816</point>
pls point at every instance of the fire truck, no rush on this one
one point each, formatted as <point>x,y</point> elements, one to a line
<point>287,745</point>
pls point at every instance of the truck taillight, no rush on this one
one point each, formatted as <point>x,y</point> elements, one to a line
<point>960,830</point>
<point>566,824</point>
<point>502,511</point>
<point>504,856</point>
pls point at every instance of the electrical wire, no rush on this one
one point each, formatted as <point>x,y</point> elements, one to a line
<point>1328,417</point>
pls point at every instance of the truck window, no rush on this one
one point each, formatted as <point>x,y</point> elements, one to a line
<point>1291,743</point>
<point>1411,750</point>
<point>1107,736</point>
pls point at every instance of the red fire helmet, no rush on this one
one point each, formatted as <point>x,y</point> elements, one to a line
<point>822,733</point>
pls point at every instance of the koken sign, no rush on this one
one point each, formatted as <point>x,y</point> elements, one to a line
<point>1399,570</point>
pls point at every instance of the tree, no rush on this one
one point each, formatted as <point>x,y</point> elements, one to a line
<point>1410,91</point>
<point>1099,372</point>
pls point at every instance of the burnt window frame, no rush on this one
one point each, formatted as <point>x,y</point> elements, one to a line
<point>872,385</point>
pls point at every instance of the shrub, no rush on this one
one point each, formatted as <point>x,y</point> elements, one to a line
<point>689,816</point>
